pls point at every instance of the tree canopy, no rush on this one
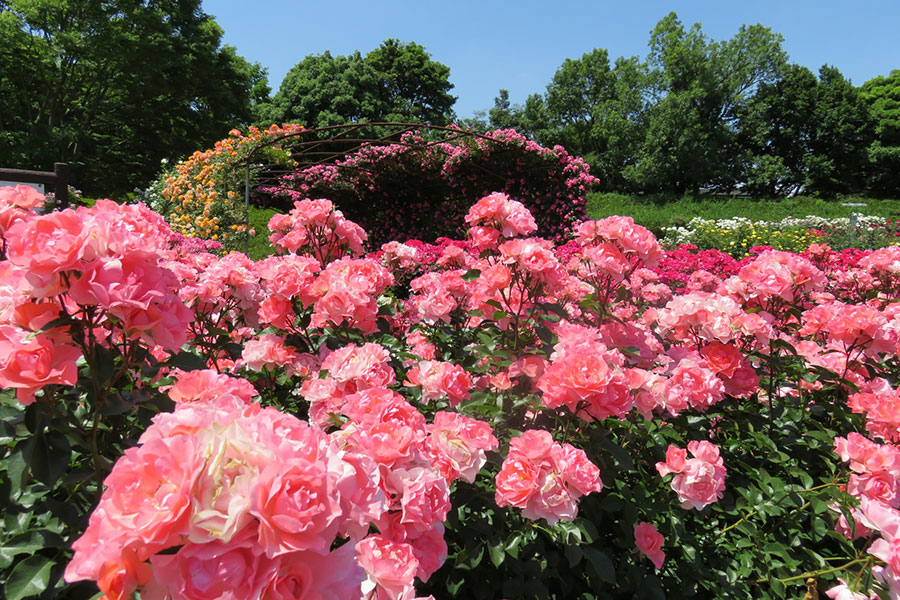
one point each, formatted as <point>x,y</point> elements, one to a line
<point>395,82</point>
<point>114,87</point>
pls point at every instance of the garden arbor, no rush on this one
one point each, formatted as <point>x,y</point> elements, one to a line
<point>389,177</point>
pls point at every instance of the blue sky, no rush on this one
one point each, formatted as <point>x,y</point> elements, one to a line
<point>490,45</point>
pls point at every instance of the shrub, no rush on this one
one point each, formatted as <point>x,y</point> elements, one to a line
<point>203,196</point>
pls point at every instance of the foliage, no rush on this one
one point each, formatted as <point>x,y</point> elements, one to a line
<point>882,95</point>
<point>123,85</point>
<point>776,128</point>
<point>395,82</point>
<point>420,175</point>
<point>843,133</point>
<point>702,115</point>
<point>203,196</point>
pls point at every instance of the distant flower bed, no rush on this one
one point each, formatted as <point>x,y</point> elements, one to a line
<point>738,235</point>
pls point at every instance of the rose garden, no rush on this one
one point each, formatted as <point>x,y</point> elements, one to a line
<point>528,403</point>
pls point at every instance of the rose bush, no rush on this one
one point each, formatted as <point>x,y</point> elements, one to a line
<point>448,175</point>
<point>499,417</point>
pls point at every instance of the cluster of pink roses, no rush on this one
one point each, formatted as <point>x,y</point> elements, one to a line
<point>98,265</point>
<point>698,481</point>
<point>354,501</point>
<point>545,478</point>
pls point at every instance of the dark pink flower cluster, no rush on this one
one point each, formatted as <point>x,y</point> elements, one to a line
<point>419,175</point>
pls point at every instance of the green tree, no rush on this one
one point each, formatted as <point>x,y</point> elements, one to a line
<point>838,161</point>
<point>882,95</point>
<point>699,87</point>
<point>597,111</point>
<point>394,82</point>
<point>409,85</point>
<point>324,90</point>
<point>776,128</point>
<point>114,87</point>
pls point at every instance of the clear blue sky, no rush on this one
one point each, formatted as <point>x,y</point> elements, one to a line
<point>490,45</point>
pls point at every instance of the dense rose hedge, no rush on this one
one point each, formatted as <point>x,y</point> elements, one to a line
<point>394,190</point>
<point>494,417</point>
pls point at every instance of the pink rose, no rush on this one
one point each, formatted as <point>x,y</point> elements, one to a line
<point>297,506</point>
<point>389,565</point>
<point>649,541</point>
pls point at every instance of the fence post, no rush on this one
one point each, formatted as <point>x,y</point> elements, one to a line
<point>61,184</point>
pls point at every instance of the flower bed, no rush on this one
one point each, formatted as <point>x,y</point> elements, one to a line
<point>737,236</point>
<point>493,417</point>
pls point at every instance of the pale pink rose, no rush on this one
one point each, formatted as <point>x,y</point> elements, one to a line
<point>724,359</point>
<point>357,368</point>
<point>223,490</point>
<point>516,482</point>
<point>435,306</point>
<point>430,550</point>
<point>553,500</point>
<point>21,196</point>
<point>225,571</point>
<point>577,471</point>
<point>391,566</point>
<point>102,546</point>
<point>441,380</point>
<point>150,491</point>
<point>384,425</point>
<point>699,485</point>
<point>120,578</point>
<point>650,541</point>
<point>297,506</point>
<point>843,592</point>
<point>49,243</point>
<point>698,481</point>
<point>545,478</point>
<point>363,501</point>
<point>879,485</point>
<point>424,496</point>
<point>691,382</point>
<point>301,575</point>
<point>484,238</point>
<point>675,461</point>
<point>456,445</point>
<point>276,311</point>
<point>587,381</point>
<point>205,384</point>
<point>268,350</point>
<point>28,363</point>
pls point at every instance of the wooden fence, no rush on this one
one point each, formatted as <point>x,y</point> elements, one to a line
<point>58,179</point>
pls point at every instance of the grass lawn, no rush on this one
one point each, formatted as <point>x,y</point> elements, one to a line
<point>259,243</point>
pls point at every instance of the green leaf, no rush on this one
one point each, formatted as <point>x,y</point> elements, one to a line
<point>187,361</point>
<point>497,554</point>
<point>27,543</point>
<point>28,578</point>
<point>50,458</point>
<point>601,564</point>
<point>16,464</point>
<point>471,275</point>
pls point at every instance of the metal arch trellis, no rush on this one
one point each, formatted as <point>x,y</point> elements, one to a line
<point>327,145</point>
